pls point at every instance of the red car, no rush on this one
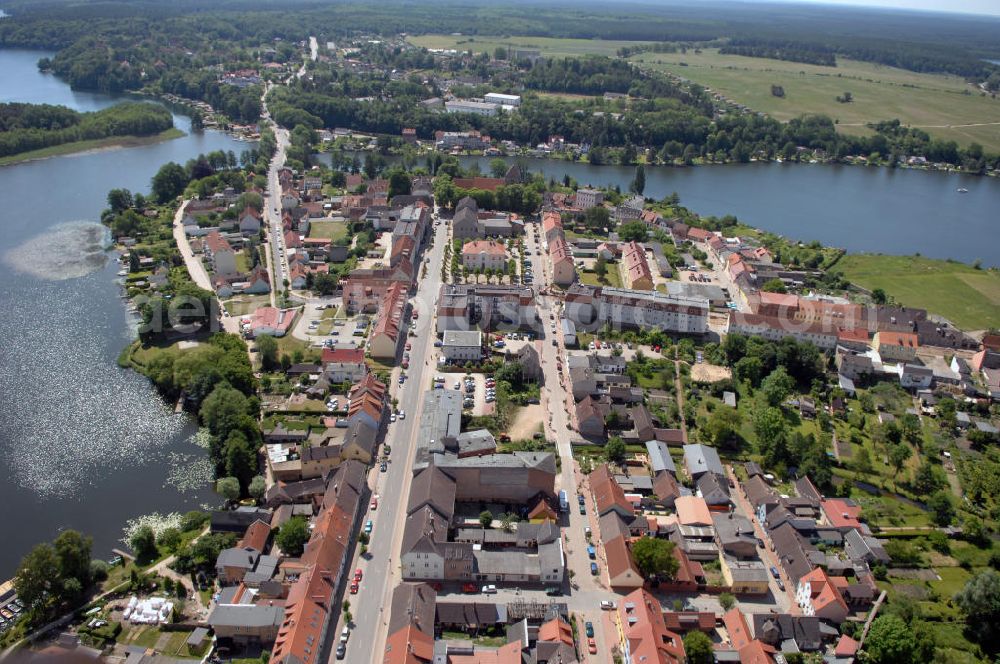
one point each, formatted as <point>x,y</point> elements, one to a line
<point>354,588</point>
<point>357,575</point>
<point>405,364</point>
<point>408,344</point>
<point>469,588</point>
<point>591,646</point>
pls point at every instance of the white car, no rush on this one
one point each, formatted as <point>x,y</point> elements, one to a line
<point>489,590</point>
<point>606,605</point>
<point>345,634</point>
<point>392,418</point>
<point>402,414</point>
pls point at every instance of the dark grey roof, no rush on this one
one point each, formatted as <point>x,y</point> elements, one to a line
<point>774,628</point>
<point>702,459</point>
<point>246,615</point>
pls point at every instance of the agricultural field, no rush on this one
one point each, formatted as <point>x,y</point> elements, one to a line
<point>968,297</point>
<point>944,106</point>
<point>549,46</point>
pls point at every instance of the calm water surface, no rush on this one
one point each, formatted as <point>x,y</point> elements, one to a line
<point>892,211</point>
<point>83,444</point>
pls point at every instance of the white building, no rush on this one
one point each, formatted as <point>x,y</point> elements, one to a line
<point>592,307</point>
<point>471,106</point>
<point>502,99</point>
<point>460,346</point>
<point>484,255</point>
<point>588,198</point>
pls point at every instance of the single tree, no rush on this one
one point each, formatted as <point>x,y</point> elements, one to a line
<point>890,641</point>
<point>486,518</point>
<point>267,349</point>
<point>257,488</point>
<point>228,488</point>
<point>614,450</point>
<point>292,536</point>
<point>655,557</point>
<point>169,182</point>
<point>143,543</point>
<point>898,456</point>
<point>727,601</point>
<point>37,578</point>
<point>777,386</point>
<point>698,648</point>
<point>638,184</point>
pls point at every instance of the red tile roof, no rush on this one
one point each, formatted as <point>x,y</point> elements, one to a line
<point>645,632</point>
<point>343,355</point>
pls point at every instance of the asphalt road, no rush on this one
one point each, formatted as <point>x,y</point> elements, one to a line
<point>370,608</point>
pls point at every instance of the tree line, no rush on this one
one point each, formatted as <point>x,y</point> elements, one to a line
<point>26,127</point>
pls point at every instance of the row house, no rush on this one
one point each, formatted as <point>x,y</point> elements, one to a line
<point>635,268</point>
<point>591,307</point>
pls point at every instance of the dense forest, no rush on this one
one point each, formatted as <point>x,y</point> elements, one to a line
<point>776,50</point>
<point>26,127</point>
<point>911,40</point>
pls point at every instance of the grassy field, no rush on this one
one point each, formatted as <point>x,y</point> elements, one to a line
<point>968,297</point>
<point>333,230</point>
<point>549,46</point>
<point>612,278</point>
<point>936,103</point>
<point>96,144</point>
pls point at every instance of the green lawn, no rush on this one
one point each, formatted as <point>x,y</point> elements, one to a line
<point>244,305</point>
<point>939,104</point>
<point>968,297</point>
<point>612,278</point>
<point>333,230</point>
<point>549,46</point>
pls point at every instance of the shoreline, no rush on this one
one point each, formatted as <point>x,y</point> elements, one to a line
<point>91,146</point>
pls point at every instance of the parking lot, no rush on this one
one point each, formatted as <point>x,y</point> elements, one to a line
<point>476,387</point>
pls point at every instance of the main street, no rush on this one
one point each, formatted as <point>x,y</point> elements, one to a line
<point>370,608</point>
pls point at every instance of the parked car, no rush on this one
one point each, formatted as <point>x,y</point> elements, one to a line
<point>553,591</point>
<point>775,574</point>
<point>781,584</point>
<point>591,553</point>
<point>345,634</point>
<point>374,504</point>
<point>384,467</point>
<point>368,526</point>
<point>341,651</point>
<point>593,568</point>
<point>468,587</point>
<point>589,627</point>
<point>583,509</point>
<point>607,605</point>
<point>580,499</point>
<point>490,589</point>
<point>591,646</point>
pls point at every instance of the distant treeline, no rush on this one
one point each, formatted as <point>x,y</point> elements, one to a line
<point>921,42</point>
<point>920,57</point>
<point>790,51</point>
<point>26,127</point>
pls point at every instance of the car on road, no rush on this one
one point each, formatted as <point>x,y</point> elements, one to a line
<point>760,543</point>
<point>384,467</point>
<point>583,509</point>
<point>490,589</point>
<point>341,651</point>
<point>374,504</point>
<point>591,553</point>
<point>593,568</point>
<point>589,627</point>
<point>345,634</point>
<point>358,575</point>
<point>408,345</point>
<point>402,414</point>
<point>553,591</point>
<point>781,584</point>
<point>368,526</point>
<point>580,499</point>
<point>354,587</point>
<point>591,646</point>
<point>774,573</point>
<point>468,587</point>
<point>392,418</point>
<point>607,605</point>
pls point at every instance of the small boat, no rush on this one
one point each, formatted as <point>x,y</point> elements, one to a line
<point>962,190</point>
<point>123,273</point>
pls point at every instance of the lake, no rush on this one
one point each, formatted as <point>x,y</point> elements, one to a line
<point>861,209</point>
<point>83,443</point>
